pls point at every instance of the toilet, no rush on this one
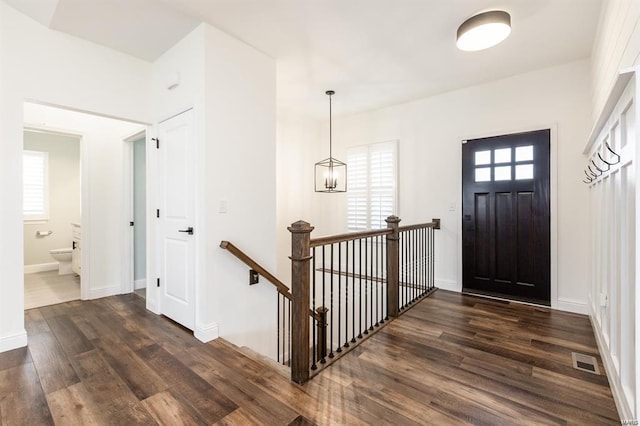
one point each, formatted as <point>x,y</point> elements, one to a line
<point>63,256</point>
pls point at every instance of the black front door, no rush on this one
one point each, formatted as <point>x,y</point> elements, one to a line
<point>506,216</point>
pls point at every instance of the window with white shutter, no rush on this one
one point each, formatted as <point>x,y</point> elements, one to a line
<point>35,185</point>
<point>372,185</point>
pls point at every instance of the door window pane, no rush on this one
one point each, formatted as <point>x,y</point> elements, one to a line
<point>502,155</point>
<point>483,157</point>
<point>502,173</point>
<point>483,174</point>
<point>524,153</point>
<point>524,171</point>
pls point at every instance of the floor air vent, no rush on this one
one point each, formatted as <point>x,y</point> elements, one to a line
<point>585,363</point>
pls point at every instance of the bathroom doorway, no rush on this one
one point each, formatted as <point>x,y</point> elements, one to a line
<point>52,212</point>
<point>95,240</point>
<point>136,163</point>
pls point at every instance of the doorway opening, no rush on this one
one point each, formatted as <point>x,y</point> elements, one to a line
<point>506,217</point>
<point>51,208</point>
<point>136,200</point>
<point>91,237</point>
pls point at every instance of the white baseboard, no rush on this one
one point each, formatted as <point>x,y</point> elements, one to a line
<point>573,305</point>
<point>103,292</point>
<point>207,333</point>
<point>624,409</point>
<point>448,285</point>
<point>14,341</point>
<point>40,267</point>
<point>140,284</point>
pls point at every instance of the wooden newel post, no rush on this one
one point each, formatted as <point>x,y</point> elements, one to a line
<point>393,273</point>
<point>322,333</point>
<point>300,277</point>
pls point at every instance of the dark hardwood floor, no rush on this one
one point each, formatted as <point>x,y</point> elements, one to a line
<point>451,359</point>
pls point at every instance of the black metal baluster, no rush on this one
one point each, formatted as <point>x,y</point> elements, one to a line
<point>323,360</point>
<point>339,347</point>
<point>378,281</point>
<point>415,266</point>
<point>366,269</point>
<point>433,260</point>
<point>385,303</point>
<point>383,277</point>
<point>314,366</point>
<point>353,295</point>
<point>405,263</point>
<point>288,304</point>
<point>420,261</point>
<point>330,322</point>
<point>278,329</point>
<point>346,296</point>
<point>360,296</point>
<point>371,293</point>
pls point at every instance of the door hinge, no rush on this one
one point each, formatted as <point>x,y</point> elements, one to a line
<point>157,212</point>
<point>130,223</point>
<point>157,142</point>
<point>158,283</point>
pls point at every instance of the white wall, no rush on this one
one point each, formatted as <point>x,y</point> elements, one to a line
<point>231,88</point>
<point>64,196</point>
<point>297,142</point>
<point>430,133</point>
<point>616,46</point>
<point>43,65</point>
<point>240,155</point>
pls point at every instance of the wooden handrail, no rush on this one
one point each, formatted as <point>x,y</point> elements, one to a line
<point>332,239</point>
<point>435,224</point>
<point>282,289</point>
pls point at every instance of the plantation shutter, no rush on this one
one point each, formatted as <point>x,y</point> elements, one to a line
<point>372,185</point>
<point>35,185</point>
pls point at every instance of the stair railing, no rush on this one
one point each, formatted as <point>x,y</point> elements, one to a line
<point>356,283</point>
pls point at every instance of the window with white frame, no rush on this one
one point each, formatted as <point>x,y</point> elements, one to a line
<point>35,185</point>
<point>372,190</point>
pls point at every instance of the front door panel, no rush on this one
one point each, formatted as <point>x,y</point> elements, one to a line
<point>506,216</point>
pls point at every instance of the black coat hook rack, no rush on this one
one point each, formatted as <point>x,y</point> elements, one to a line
<point>591,175</point>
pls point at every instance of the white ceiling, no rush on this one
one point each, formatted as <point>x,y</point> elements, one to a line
<point>373,53</point>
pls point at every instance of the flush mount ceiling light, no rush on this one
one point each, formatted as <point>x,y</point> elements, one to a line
<point>330,173</point>
<point>484,30</point>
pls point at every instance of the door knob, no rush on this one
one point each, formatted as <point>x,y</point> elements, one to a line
<point>189,230</point>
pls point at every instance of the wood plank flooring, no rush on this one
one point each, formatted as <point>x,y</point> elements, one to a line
<point>451,359</point>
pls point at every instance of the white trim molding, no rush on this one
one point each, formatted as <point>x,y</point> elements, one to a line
<point>13,341</point>
<point>104,292</point>
<point>572,305</point>
<point>140,284</point>
<point>206,333</point>
<point>40,267</point>
<point>624,411</point>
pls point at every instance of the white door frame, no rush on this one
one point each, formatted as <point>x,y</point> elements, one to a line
<point>128,279</point>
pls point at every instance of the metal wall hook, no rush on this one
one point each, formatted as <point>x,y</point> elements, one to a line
<point>588,177</point>
<point>586,181</point>
<point>593,173</point>
<point>605,161</point>
<point>613,152</point>
<point>598,168</point>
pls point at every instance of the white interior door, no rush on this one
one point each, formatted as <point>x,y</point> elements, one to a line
<point>176,218</point>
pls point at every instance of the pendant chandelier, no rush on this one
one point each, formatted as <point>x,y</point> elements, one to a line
<point>330,173</point>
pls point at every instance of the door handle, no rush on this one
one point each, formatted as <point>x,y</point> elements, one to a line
<point>189,230</point>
